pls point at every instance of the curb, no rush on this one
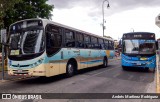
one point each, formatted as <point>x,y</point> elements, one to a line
<point>8,78</point>
<point>15,79</point>
<point>157,77</point>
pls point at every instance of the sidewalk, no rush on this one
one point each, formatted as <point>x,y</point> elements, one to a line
<point>158,75</point>
<point>9,77</point>
<point>13,78</point>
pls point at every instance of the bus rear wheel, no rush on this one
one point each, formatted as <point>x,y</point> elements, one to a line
<point>70,69</point>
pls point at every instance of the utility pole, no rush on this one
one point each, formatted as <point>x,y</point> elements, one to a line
<point>103,27</point>
<point>3,40</point>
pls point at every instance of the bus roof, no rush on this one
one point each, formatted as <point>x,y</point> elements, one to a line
<point>139,33</point>
<point>65,26</point>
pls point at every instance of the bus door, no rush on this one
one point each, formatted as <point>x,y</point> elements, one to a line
<point>102,51</point>
<point>53,47</point>
<point>88,51</point>
<point>95,52</point>
<point>95,56</point>
<point>83,55</point>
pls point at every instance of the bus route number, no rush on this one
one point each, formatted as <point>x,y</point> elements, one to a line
<point>137,36</point>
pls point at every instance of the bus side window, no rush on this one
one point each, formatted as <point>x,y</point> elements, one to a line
<point>53,39</point>
<point>95,43</point>
<point>80,40</point>
<point>50,40</point>
<point>69,38</point>
<point>101,43</point>
<point>112,45</point>
<point>106,44</point>
<point>87,41</point>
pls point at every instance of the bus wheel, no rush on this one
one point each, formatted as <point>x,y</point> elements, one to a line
<point>105,62</point>
<point>152,70</point>
<point>124,68</point>
<point>70,69</point>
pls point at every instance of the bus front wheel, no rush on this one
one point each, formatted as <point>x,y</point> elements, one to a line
<point>124,68</point>
<point>152,70</point>
<point>70,69</point>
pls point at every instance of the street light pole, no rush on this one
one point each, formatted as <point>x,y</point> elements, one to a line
<point>103,27</point>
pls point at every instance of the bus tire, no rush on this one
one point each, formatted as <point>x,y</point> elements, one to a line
<point>124,68</point>
<point>105,62</point>
<point>70,70</point>
<point>147,69</point>
<point>152,70</point>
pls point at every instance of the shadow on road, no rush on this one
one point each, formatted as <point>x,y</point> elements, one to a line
<point>42,80</point>
<point>84,71</point>
<point>135,69</point>
<point>46,80</point>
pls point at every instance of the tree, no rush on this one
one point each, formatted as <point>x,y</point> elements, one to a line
<point>14,10</point>
<point>28,9</point>
<point>4,6</point>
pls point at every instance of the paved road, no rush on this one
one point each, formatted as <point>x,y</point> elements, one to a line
<point>96,80</point>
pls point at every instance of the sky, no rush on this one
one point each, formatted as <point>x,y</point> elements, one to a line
<point>123,16</point>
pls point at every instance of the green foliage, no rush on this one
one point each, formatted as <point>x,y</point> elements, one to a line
<point>14,10</point>
<point>4,6</point>
<point>0,44</point>
<point>28,9</point>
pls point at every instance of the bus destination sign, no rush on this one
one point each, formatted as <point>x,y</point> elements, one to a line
<point>139,36</point>
<point>25,24</point>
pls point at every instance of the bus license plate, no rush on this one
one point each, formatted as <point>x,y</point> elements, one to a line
<point>138,64</point>
<point>19,71</point>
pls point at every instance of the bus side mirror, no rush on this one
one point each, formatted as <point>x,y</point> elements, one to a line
<point>156,45</point>
<point>120,43</point>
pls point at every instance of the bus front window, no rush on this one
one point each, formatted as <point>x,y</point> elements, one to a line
<point>130,46</point>
<point>31,41</point>
<point>139,46</point>
<point>147,48</point>
<point>26,42</point>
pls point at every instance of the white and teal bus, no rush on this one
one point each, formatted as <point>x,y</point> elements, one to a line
<point>39,47</point>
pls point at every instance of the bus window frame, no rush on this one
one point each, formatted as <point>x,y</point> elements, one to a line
<point>78,40</point>
<point>59,33</point>
<point>88,44</point>
<point>72,40</point>
<point>106,44</point>
<point>101,44</point>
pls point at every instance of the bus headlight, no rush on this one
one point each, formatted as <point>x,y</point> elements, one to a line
<point>143,58</point>
<point>31,65</point>
<point>40,60</point>
<point>149,62</point>
<point>37,63</point>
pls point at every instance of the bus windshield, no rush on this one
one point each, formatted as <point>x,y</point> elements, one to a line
<point>26,38</point>
<point>139,46</point>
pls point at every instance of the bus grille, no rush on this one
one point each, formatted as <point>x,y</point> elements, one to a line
<point>20,65</point>
<point>20,71</point>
